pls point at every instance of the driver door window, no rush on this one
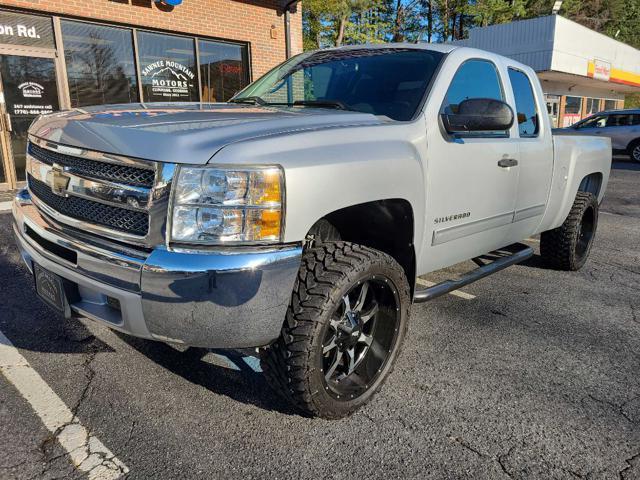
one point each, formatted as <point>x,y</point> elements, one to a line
<point>474,79</point>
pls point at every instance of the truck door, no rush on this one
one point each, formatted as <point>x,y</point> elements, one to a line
<point>471,180</point>
<point>536,155</point>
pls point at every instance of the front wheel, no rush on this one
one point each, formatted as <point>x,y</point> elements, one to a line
<point>567,247</point>
<point>344,327</point>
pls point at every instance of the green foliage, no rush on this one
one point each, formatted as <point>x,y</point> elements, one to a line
<point>490,12</point>
<point>632,101</point>
<point>331,22</point>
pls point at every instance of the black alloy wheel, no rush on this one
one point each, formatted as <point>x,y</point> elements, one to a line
<point>568,246</point>
<point>344,328</point>
<point>361,335</point>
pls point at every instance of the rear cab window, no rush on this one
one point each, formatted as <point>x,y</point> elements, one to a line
<point>527,114</point>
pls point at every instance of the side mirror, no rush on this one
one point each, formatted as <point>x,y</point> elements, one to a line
<point>479,115</point>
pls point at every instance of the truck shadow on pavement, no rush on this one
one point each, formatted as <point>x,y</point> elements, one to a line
<point>31,326</point>
<point>238,379</point>
<point>25,319</point>
<point>536,261</point>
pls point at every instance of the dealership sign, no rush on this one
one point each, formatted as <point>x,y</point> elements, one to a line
<point>169,79</point>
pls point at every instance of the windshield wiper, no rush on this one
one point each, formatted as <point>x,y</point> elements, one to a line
<point>254,100</point>
<point>321,104</point>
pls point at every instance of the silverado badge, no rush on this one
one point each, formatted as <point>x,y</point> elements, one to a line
<point>449,218</point>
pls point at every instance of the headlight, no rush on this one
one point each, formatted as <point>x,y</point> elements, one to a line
<point>218,205</point>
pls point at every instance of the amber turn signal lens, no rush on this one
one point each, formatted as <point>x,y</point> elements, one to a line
<point>266,224</point>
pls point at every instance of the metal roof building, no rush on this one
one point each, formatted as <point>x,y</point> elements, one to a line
<point>582,71</point>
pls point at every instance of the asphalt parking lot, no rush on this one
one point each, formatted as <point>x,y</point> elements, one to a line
<point>533,374</point>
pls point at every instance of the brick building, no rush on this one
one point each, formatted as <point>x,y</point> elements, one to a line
<point>74,53</point>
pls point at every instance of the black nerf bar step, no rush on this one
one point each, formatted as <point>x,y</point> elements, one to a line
<point>487,265</point>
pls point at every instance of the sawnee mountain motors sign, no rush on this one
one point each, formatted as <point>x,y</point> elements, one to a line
<point>169,79</point>
<point>27,30</point>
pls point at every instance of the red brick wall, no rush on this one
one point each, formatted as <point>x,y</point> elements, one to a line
<point>243,20</point>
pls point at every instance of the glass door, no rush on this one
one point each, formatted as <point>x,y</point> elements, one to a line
<point>29,88</point>
<point>553,109</point>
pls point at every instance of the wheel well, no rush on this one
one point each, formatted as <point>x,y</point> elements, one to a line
<point>591,183</point>
<point>386,225</point>
<point>633,142</point>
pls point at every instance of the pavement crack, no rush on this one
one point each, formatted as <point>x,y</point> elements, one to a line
<point>131,429</point>
<point>469,447</point>
<point>618,408</point>
<point>85,451</point>
<point>630,464</point>
<point>500,459</point>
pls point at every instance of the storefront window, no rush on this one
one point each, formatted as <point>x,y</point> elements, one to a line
<point>610,104</point>
<point>100,64</point>
<point>222,70</point>
<point>168,68</point>
<point>572,106</point>
<point>593,106</point>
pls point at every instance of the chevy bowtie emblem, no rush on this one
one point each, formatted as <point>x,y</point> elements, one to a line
<point>58,180</point>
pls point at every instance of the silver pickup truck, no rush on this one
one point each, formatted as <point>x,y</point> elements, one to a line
<point>298,216</point>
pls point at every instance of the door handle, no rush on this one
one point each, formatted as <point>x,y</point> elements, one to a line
<point>507,162</point>
<point>7,122</point>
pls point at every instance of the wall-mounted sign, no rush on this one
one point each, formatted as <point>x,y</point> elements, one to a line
<point>601,70</point>
<point>171,3</point>
<point>29,30</point>
<point>169,79</point>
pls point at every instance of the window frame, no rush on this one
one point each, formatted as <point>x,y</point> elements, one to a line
<point>535,103</point>
<point>490,135</point>
<point>579,112</point>
<point>65,100</point>
<point>63,52</point>
<point>194,41</point>
<point>244,55</point>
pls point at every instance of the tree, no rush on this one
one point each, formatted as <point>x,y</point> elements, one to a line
<point>491,12</point>
<point>334,22</point>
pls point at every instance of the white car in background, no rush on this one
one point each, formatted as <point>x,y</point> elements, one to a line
<point>621,126</point>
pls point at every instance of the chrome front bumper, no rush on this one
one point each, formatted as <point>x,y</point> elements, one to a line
<point>220,298</point>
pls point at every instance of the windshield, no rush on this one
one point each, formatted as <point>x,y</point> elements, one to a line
<point>386,81</point>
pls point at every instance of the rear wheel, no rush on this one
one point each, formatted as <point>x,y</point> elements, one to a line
<point>634,150</point>
<point>344,327</point>
<point>567,247</point>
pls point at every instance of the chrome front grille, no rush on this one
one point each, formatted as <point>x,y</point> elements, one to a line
<point>126,174</point>
<point>116,197</point>
<point>128,221</point>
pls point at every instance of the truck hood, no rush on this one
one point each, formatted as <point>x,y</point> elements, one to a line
<point>183,132</point>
